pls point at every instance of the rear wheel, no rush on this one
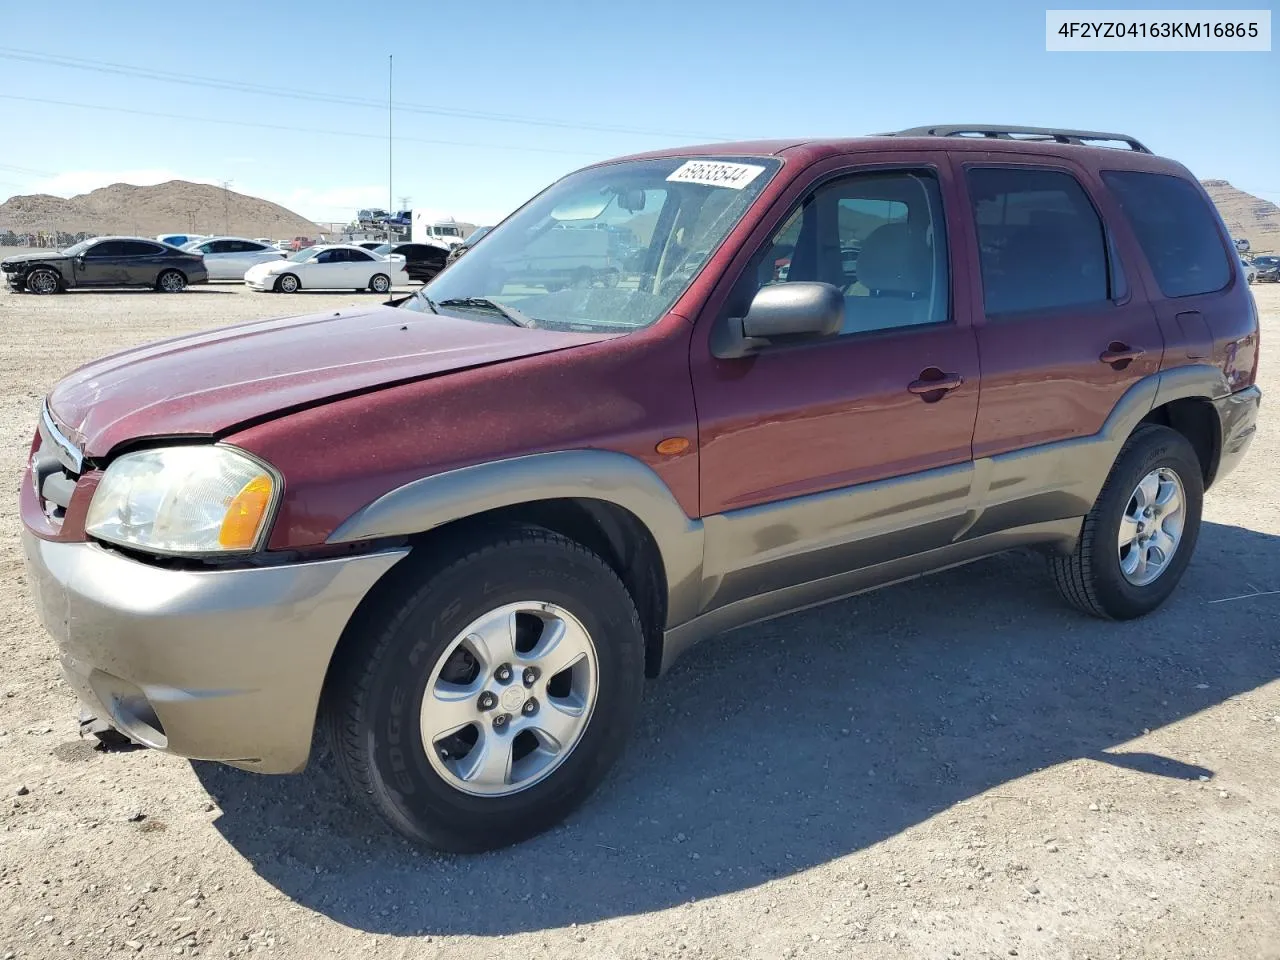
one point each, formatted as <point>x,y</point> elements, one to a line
<point>288,283</point>
<point>1137,540</point>
<point>171,281</point>
<point>44,281</point>
<point>488,694</point>
<point>380,283</point>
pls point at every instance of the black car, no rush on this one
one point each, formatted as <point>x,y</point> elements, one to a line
<point>422,261</point>
<point>106,262</point>
<point>468,243</point>
<point>1268,269</point>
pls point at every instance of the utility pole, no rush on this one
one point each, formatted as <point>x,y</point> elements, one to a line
<point>226,206</point>
<point>390,193</point>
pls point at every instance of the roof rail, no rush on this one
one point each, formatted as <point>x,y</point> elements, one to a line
<point>1004,132</point>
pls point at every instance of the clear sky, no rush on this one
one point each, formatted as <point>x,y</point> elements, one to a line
<point>495,99</point>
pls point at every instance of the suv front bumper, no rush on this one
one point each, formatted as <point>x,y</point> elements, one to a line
<point>209,664</point>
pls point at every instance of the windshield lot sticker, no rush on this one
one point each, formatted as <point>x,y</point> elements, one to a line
<point>716,173</point>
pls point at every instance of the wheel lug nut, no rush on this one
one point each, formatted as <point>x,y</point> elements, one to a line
<point>530,707</point>
<point>487,701</point>
<point>499,721</point>
<point>503,673</point>
<point>530,675</point>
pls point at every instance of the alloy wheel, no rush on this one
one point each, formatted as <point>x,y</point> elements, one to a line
<point>1151,527</point>
<point>509,699</point>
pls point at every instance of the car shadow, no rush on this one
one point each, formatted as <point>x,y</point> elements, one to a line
<point>794,742</point>
<point>200,289</point>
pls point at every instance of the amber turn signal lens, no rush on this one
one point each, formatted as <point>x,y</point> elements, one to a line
<point>672,445</point>
<point>245,515</point>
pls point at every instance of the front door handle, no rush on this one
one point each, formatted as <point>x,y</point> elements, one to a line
<point>1119,355</point>
<point>934,384</point>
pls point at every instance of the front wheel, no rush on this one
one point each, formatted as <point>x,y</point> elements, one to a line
<point>43,282</point>
<point>380,283</point>
<point>1137,540</point>
<point>288,284</point>
<point>171,281</point>
<point>487,695</point>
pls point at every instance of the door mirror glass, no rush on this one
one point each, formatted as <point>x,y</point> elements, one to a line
<point>780,313</point>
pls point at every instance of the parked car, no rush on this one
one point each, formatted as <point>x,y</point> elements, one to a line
<point>227,258</point>
<point>180,239</point>
<point>106,262</point>
<point>1268,269</point>
<point>467,244</point>
<point>265,241</point>
<point>301,243</point>
<point>329,267</point>
<point>372,218</point>
<point>1250,271</point>
<point>368,244</point>
<point>459,534</point>
<point>422,260</point>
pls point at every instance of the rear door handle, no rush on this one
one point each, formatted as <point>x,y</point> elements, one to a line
<point>933,383</point>
<point>1120,355</point>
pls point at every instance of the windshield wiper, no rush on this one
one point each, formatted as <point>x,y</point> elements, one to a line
<point>484,303</point>
<point>427,300</point>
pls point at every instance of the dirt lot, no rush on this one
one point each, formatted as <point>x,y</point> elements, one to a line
<point>959,767</point>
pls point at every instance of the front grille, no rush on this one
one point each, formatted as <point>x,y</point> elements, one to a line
<point>56,466</point>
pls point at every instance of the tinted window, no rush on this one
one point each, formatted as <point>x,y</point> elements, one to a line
<point>108,248</point>
<point>1041,243</point>
<point>331,256</point>
<point>880,238</point>
<point>136,248</point>
<point>219,246</point>
<point>356,256</point>
<point>1176,229</point>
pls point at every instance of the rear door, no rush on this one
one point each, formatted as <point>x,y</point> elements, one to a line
<point>359,267</point>
<point>141,262</point>
<point>1064,328</point>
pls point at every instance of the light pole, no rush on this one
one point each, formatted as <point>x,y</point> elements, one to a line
<point>226,206</point>
<point>390,193</point>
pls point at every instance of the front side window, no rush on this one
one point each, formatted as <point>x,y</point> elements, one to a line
<point>108,248</point>
<point>1041,243</point>
<point>1176,229</point>
<point>879,237</point>
<point>608,247</point>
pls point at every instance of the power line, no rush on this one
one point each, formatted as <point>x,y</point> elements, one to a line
<point>276,126</point>
<point>240,86</point>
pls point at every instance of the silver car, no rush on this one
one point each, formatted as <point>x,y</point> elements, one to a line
<point>228,258</point>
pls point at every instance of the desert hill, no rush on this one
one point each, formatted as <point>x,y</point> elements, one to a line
<point>1247,216</point>
<point>177,206</point>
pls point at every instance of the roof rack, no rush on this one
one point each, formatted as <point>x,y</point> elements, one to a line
<point>1081,138</point>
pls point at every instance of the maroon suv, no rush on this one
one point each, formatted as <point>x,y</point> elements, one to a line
<point>459,532</point>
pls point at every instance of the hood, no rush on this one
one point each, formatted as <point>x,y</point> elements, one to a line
<point>207,383</point>
<point>40,255</point>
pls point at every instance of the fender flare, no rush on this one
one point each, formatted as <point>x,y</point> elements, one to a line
<point>616,478</point>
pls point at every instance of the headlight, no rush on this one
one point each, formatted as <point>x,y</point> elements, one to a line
<point>184,500</point>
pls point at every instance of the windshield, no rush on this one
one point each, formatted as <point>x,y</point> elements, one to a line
<point>306,253</point>
<point>608,247</point>
<point>76,249</point>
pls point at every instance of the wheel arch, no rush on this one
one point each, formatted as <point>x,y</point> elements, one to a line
<point>610,502</point>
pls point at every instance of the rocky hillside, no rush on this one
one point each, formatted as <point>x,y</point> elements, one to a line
<point>1247,216</point>
<point>176,206</point>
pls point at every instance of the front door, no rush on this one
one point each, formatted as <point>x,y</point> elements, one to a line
<point>844,452</point>
<point>102,265</point>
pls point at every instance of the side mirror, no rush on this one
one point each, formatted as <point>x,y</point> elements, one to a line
<point>781,312</point>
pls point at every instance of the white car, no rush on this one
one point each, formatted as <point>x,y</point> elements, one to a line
<point>227,258</point>
<point>1250,271</point>
<point>329,267</point>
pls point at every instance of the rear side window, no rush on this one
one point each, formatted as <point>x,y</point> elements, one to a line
<point>1176,229</point>
<point>1041,243</point>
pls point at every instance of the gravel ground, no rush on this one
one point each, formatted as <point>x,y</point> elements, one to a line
<point>957,767</point>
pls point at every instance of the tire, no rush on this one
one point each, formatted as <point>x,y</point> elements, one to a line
<point>43,281</point>
<point>288,283</point>
<point>1092,578</point>
<point>395,655</point>
<point>380,283</point>
<point>171,281</point>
